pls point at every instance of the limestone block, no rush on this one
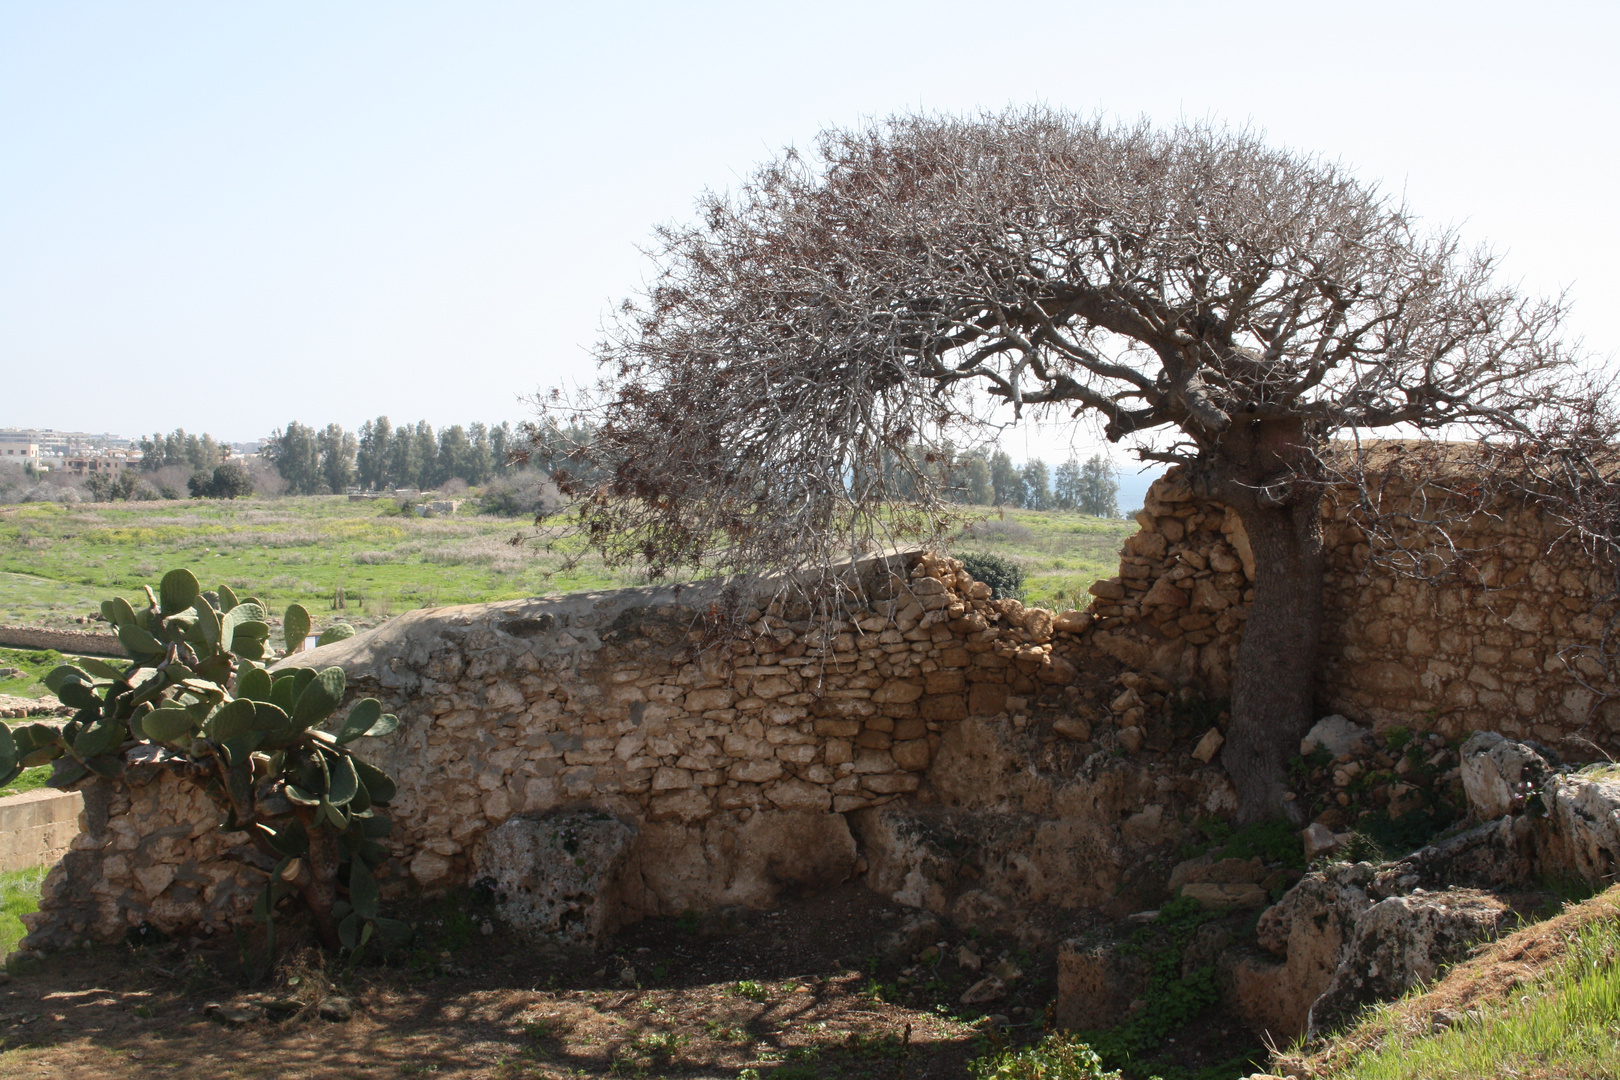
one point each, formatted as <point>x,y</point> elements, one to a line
<point>668,779</point>
<point>1206,597</point>
<point>796,795</point>
<point>1165,593</point>
<point>1584,810</point>
<point>1334,734</point>
<point>558,875</point>
<point>898,692</point>
<point>1149,826</point>
<point>868,760</point>
<point>911,754</point>
<point>1402,941</point>
<point>429,868</point>
<point>892,783</point>
<point>1498,774</point>
<point>1071,622</point>
<point>1109,589</point>
<point>690,804</point>
<point>756,772</point>
<point>1097,981</point>
<point>698,701</point>
<point>799,754</point>
<point>1209,745</point>
<point>1077,728</point>
<point>1217,896</point>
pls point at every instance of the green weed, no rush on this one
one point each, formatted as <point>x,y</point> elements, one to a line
<point>1059,1056</point>
<point>751,990</point>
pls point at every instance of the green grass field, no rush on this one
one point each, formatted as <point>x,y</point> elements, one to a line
<point>60,562</point>
<point>19,894</point>
<point>57,563</point>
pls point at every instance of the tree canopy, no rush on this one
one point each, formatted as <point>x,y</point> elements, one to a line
<point>1243,301</point>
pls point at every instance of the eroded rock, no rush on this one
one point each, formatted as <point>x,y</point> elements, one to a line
<point>1400,942</point>
<point>1584,812</point>
<point>557,875</point>
<point>1097,981</point>
<point>1499,774</point>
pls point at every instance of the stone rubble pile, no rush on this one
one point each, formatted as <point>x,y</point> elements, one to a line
<point>1347,779</point>
<point>20,708</point>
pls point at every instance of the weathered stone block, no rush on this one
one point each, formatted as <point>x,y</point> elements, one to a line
<point>557,875</point>
<point>943,707</point>
<point>1097,981</point>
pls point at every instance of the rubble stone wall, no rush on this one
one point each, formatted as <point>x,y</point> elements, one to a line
<point>1508,643</point>
<point>68,641</point>
<point>1053,758</point>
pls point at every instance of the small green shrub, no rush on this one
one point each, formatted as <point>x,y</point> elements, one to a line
<point>1058,1056</point>
<point>1005,577</point>
<point>751,990</point>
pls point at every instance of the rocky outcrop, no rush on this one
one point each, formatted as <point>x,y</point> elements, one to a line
<point>1583,815</point>
<point>1500,775</point>
<point>1348,936</point>
<point>1400,942</point>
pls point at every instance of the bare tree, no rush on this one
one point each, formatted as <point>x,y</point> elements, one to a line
<point>1233,306</point>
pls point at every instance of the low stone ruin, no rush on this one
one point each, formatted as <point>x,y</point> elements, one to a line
<point>1013,769</point>
<point>1349,935</point>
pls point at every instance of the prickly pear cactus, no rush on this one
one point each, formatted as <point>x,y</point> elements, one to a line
<point>198,695</point>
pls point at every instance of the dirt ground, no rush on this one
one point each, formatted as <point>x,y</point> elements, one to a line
<point>793,993</point>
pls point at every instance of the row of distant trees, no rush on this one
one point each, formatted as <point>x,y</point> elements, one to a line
<point>381,456</point>
<point>315,461</point>
<point>1090,486</point>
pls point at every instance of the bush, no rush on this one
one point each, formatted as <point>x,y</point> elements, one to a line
<point>526,493</point>
<point>1005,577</point>
<point>110,487</point>
<point>228,480</point>
<point>999,529</point>
<point>1059,1056</point>
<point>52,493</point>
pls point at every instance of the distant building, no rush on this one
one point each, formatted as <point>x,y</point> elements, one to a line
<point>19,448</point>
<point>101,463</point>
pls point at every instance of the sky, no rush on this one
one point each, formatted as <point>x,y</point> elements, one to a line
<point>225,217</point>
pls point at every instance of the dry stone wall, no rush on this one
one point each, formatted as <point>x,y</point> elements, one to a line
<point>968,755</point>
<point>68,641</point>
<point>1508,643</point>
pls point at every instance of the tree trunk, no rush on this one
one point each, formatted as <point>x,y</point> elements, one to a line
<point>1273,684</point>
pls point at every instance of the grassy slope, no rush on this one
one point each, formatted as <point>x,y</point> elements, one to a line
<point>33,665</point>
<point>1543,1002</point>
<point>1062,553</point>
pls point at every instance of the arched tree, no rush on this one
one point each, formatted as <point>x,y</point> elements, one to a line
<point>1234,305</point>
